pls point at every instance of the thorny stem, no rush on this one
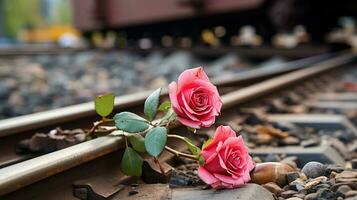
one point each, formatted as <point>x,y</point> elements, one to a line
<point>180,154</point>
<point>160,166</point>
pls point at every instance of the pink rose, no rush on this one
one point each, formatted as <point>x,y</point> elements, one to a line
<point>228,163</point>
<point>195,99</point>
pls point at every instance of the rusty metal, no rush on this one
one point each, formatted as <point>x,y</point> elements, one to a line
<point>28,172</point>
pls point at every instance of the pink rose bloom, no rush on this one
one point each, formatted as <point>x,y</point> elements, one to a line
<point>228,163</point>
<point>195,99</point>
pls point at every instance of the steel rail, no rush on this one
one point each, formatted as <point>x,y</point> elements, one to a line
<point>25,173</point>
<point>69,114</point>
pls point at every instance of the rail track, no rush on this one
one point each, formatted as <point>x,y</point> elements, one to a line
<point>12,132</point>
<point>93,166</point>
<point>257,52</point>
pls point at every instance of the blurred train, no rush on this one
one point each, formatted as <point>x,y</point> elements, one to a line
<point>156,19</point>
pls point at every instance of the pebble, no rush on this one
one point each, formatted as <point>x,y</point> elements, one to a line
<point>42,82</point>
<point>351,193</point>
<point>297,185</point>
<point>288,193</point>
<point>290,140</point>
<point>273,187</point>
<point>292,176</point>
<point>314,169</point>
<point>311,196</point>
<point>342,190</point>
<point>310,143</point>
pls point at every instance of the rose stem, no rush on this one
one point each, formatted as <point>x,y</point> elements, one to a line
<point>180,154</point>
<point>97,124</point>
<point>158,163</point>
<point>126,141</point>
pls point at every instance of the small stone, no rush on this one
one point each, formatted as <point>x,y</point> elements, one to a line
<point>263,139</point>
<point>342,190</point>
<point>351,193</point>
<point>322,186</point>
<point>273,188</point>
<point>288,193</point>
<point>298,185</point>
<point>314,169</point>
<point>327,194</point>
<point>347,175</point>
<point>291,140</point>
<point>294,198</point>
<point>333,168</point>
<point>310,143</point>
<point>292,176</point>
<point>311,196</point>
<point>315,181</point>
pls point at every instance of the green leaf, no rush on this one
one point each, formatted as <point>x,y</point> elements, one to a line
<point>151,104</point>
<point>155,141</point>
<point>104,104</point>
<point>165,106</point>
<point>207,142</point>
<point>131,163</point>
<point>130,122</point>
<point>137,141</point>
<point>193,148</point>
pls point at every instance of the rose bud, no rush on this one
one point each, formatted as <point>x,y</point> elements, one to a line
<point>195,99</point>
<point>271,172</point>
<point>227,162</point>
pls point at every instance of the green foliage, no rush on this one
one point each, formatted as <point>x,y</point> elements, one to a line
<point>131,163</point>
<point>155,141</point>
<point>193,148</point>
<point>19,14</point>
<point>151,104</point>
<point>137,141</point>
<point>130,122</point>
<point>104,104</point>
<point>165,106</point>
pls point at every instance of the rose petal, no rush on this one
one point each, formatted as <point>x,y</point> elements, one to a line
<point>189,123</point>
<point>222,133</point>
<point>190,75</point>
<point>230,180</point>
<point>173,98</point>
<point>206,177</point>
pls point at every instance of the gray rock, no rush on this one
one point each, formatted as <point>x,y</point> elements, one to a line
<point>247,192</point>
<point>288,193</point>
<point>314,169</point>
<point>343,190</point>
<point>311,196</point>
